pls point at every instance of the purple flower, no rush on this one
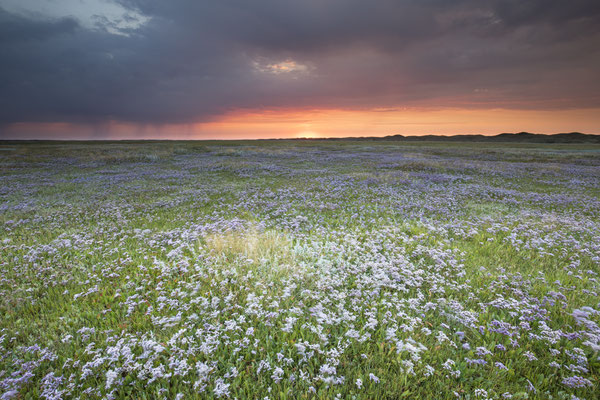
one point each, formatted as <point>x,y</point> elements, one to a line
<point>476,361</point>
<point>499,365</point>
<point>576,382</point>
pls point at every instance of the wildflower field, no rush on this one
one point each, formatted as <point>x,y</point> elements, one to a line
<point>299,270</point>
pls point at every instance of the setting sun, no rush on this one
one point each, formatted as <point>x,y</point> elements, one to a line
<point>307,135</point>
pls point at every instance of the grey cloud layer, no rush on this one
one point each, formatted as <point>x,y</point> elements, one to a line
<point>194,60</point>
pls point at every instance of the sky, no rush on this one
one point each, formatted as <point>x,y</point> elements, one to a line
<point>239,69</point>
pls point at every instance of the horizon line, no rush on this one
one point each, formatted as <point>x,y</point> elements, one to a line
<point>397,135</point>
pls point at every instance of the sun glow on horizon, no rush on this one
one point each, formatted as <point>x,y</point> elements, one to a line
<point>308,135</point>
<point>324,123</point>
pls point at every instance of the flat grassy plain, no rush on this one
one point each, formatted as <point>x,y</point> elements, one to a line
<point>299,270</point>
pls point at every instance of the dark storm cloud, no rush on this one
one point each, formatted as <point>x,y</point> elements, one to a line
<point>17,27</point>
<point>193,60</point>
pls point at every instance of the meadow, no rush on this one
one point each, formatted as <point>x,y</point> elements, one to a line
<point>299,270</point>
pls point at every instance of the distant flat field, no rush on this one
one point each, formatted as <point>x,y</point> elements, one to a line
<point>299,269</point>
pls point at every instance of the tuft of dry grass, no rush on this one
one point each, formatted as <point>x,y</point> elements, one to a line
<point>267,252</point>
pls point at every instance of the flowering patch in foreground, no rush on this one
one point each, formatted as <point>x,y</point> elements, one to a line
<point>277,270</point>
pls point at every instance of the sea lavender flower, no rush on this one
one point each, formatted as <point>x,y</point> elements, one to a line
<point>277,374</point>
<point>111,376</point>
<point>9,395</point>
<point>530,386</point>
<point>221,388</point>
<point>482,351</point>
<point>429,370</point>
<point>577,382</point>
<point>476,361</point>
<point>501,366</point>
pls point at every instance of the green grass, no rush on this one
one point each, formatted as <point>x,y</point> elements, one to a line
<point>233,256</point>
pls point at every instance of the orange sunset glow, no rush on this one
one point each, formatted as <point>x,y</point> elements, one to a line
<point>310,124</point>
<point>383,122</point>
